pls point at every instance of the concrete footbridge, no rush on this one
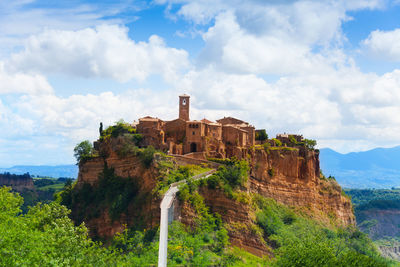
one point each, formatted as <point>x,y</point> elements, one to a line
<point>167,215</point>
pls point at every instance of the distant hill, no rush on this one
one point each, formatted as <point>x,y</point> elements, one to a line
<point>51,171</point>
<point>376,168</point>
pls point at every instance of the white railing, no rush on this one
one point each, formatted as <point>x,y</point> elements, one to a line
<point>167,207</point>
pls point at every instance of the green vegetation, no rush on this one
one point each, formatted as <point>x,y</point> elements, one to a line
<point>83,151</point>
<point>43,191</point>
<point>300,241</point>
<point>310,143</point>
<point>45,236</point>
<point>147,155</point>
<point>171,173</point>
<point>277,142</point>
<point>364,196</point>
<point>112,193</point>
<point>121,127</point>
<point>365,200</point>
<point>370,206</point>
<point>261,135</point>
<point>229,177</point>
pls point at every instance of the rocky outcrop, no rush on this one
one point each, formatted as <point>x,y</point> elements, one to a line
<point>292,177</point>
<point>379,223</point>
<point>17,182</point>
<point>392,252</point>
<point>128,167</point>
<point>239,219</point>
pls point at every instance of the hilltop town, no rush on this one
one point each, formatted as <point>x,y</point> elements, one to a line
<point>225,138</point>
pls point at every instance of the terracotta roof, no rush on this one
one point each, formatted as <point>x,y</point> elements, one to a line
<point>234,126</point>
<point>148,118</point>
<point>238,121</point>
<point>206,121</point>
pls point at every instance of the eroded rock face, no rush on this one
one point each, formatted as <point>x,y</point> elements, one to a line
<point>382,223</point>
<point>148,215</point>
<point>292,178</point>
<point>390,252</point>
<point>18,183</point>
<point>239,219</point>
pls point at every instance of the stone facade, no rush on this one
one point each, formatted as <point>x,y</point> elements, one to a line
<point>225,138</point>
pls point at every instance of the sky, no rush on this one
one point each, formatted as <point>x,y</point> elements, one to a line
<point>329,70</point>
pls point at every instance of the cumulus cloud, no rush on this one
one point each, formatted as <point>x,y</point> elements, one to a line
<point>318,90</point>
<point>344,109</point>
<point>270,37</point>
<point>22,18</point>
<point>104,51</point>
<point>233,49</point>
<point>383,45</point>
<point>21,83</point>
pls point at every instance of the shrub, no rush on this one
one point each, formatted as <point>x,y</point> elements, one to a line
<point>120,127</point>
<point>310,144</point>
<point>266,146</point>
<point>147,155</point>
<point>261,135</point>
<point>83,151</point>
<point>277,142</point>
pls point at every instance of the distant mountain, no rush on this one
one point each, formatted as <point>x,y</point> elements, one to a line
<point>376,168</point>
<point>51,171</point>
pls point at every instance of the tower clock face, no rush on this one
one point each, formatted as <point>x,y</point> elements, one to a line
<point>184,102</point>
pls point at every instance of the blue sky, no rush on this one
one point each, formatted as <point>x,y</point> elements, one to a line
<point>326,69</point>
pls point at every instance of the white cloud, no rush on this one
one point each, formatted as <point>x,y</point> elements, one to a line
<point>105,51</point>
<point>232,49</point>
<point>344,109</point>
<point>21,83</point>
<point>383,45</point>
<point>319,92</point>
<point>22,18</point>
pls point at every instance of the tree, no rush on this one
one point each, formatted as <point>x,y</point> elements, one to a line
<point>310,143</point>
<point>101,129</point>
<point>261,135</point>
<point>83,150</point>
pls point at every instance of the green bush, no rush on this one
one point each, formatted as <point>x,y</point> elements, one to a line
<point>300,241</point>
<point>277,142</point>
<point>310,144</point>
<point>120,128</point>
<point>112,193</point>
<point>147,155</point>
<point>261,135</point>
<point>83,151</point>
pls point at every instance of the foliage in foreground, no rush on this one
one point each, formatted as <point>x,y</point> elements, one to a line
<point>112,193</point>
<point>45,236</point>
<point>300,241</point>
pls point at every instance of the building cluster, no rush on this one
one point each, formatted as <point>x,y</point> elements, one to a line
<point>224,138</point>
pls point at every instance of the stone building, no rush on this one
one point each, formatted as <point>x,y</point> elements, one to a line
<point>198,138</point>
<point>289,139</point>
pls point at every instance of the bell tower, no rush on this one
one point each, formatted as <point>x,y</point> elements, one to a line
<point>184,107</point>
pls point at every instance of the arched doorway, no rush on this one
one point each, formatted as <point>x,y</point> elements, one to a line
<point>193,147</point>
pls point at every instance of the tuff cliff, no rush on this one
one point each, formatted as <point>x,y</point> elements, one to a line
<point>291,176</point>
<point>17,182</point>
<point>143,210</point>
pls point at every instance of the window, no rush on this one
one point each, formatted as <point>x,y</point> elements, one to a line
<point>193,133</point>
